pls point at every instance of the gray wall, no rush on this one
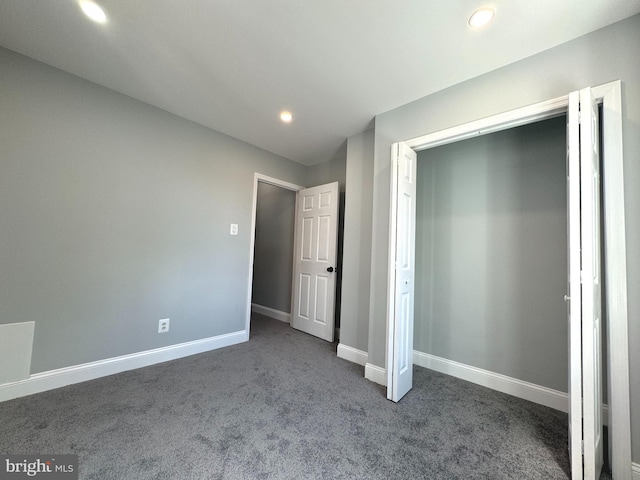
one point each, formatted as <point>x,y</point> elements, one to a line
<point>491,253</point>
<point>605,55</point>
<point>332,171</point>
<point>116,214</point>
<point>354,329</point>
<point>273,255</point>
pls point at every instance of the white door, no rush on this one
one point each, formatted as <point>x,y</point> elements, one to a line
<point>591,286</point>
<point>314,268</point>
<point>402,240</point>
<point>574,298</point>
<point>585,372</point>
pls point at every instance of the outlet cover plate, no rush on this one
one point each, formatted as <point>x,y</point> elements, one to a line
<point>163,325</point>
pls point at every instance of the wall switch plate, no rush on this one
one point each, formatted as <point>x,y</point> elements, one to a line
<point>234,229</point>
<point>163,325</point>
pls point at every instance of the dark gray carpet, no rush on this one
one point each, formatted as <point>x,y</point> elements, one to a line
<point>283,406</point>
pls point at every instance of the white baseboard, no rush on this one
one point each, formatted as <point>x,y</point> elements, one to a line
<point>271,312</point>
<point>518,388</point>
<point>502,383</point>
<point>375,374</point>
<point>41,382</point>
<point>635,471</point>
<point>352,354</point>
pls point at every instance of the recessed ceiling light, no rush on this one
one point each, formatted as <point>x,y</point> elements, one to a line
<point>93,11</point>
<point>286,117</point>
<point>481,17</point>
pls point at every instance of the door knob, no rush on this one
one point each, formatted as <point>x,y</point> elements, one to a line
<point>330,269</point>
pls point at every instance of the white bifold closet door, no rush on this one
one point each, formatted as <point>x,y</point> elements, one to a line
<point>402,268</point>
<point>585,288</point>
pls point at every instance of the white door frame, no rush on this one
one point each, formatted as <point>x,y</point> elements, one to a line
<point>615,244</point>
<point>259,177</point>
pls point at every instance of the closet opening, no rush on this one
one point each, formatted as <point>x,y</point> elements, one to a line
<point>486,264</point>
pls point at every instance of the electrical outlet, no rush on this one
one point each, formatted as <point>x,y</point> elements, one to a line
<point>163,325</point>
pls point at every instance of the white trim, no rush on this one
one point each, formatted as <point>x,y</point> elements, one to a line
<point>259,177</point>
<point>352,354</point>
<point>502,383</point>
<point>375,374</point>
<point>277,182</point>
<point>635,470</point>
<point>51,379</point>
<point>495,123</point>
<point>271,312</point>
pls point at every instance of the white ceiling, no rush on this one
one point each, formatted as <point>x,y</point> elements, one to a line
<point>233,65</point>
